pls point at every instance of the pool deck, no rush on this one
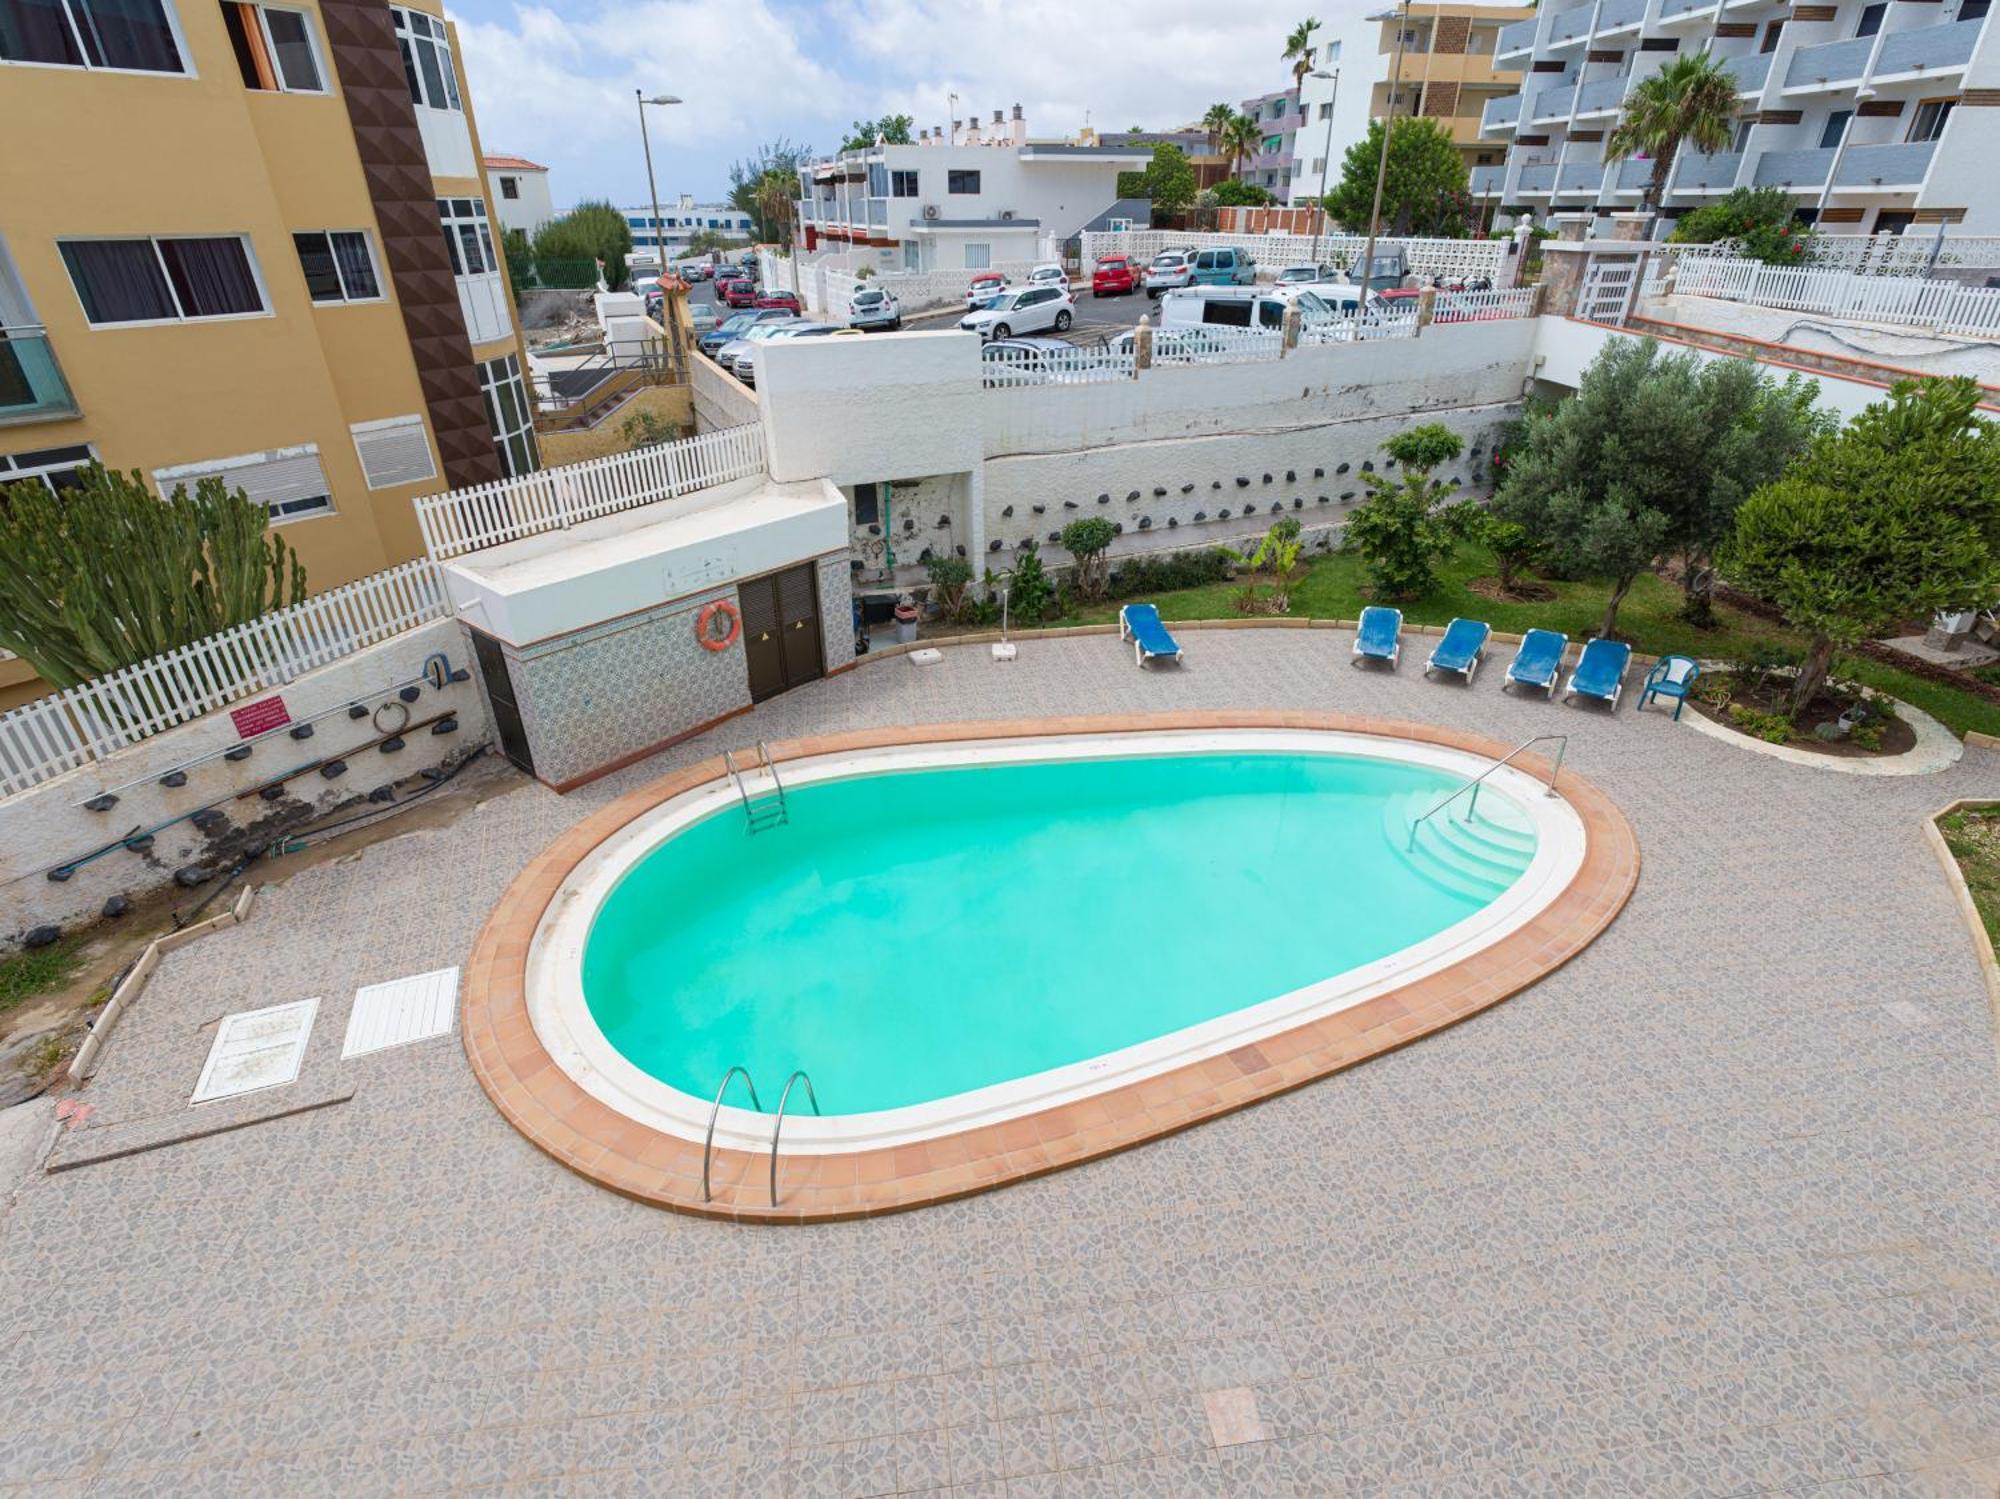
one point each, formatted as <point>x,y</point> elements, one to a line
<point>1710,1210</point>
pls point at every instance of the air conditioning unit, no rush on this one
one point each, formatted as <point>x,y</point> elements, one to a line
<point>930,210</point>
<point>1007,214</point>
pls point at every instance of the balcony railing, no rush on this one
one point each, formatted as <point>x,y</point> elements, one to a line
<point>1807,168</point>
<point>1901,165</point>
<point>1504,111</point>
<point>1634,173</point>
<point>1601,95</point>
<point>1697,173</point>
<point>1553,103</point>
<point>1570,26</point>
<point>1830,63</point>
<point>1487,181</point>
<point>1580,177</point>
<point>32,387</point>
<point>1616,15</point>
<point>1516,38</point>
<point>482,299</point>
<point>1539,178</point>
<point>1749,72</point>
<point>1670,8</point>
<point>1928,49</point>
<point>1271,161</point>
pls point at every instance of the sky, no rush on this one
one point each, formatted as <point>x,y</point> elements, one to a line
<point>555,84</point>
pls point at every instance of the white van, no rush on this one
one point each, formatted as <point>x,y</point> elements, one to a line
<point>1242,307</point>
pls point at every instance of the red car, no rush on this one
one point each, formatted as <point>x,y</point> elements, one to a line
<point>1116,276</point>
<point>741,292</point>
<point>785,299</point>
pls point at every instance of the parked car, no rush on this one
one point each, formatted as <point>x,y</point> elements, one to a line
<point>874,309</point>
<point>1049,274</point>
<point>1241,307</point>
<point>702,316</point>
<point>1176,346</point>
<point>1224,268</point>
<point>699,271</point>
<point>740,292</point>
<point>788,300</point>
<point>1308,275</point>
<point>1026,309</point>
<point>744,365</point>
<point>1024,361</point>
<point>1169,269</point>
<point>983,287</point>
<point>1116,276</point>
<point>736,325</point>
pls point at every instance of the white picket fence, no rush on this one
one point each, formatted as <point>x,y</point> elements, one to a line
<point>1482,306</point>
<point>71,728</point>
<point>1941,306</point>
<point>1451,259</point>
<point>1004,368</point>
<point>551,499</point>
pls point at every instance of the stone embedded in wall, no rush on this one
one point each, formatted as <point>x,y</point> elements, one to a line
<point>1132,496</point>
<point>1008,511</point>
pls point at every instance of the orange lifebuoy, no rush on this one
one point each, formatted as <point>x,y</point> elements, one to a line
<point>704,625</point>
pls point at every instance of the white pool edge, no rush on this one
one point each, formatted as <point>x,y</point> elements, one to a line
<point>563,1023</point>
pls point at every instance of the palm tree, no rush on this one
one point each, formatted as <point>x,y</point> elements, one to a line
<point>1299,49</point>
<point>1216,122</point>
<point>1242,138</point>
<point>1692,100</point>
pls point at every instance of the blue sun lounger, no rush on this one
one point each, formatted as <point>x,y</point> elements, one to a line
<point>1600,670</point>
<point>1380,636</point>
<point>1140,624</point>
<point>1462,649</point>
<point>1538,663</point>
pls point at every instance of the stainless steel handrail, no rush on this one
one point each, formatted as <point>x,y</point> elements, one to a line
<point>708,1144</point>
<point>1562,748</point>
<point>736,777</point>
<point>764,759</point>
<point>780,1124</point>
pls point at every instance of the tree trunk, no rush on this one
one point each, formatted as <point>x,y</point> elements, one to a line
<point>1812,675</point>
<point>1663,168</point>
<point>1618,592</point>
<point>1698,588</point>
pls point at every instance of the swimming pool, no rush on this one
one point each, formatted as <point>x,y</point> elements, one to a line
<point>943,936</point>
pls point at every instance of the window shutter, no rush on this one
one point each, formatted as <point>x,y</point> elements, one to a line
<point>393,452</point>
<point>287,481</point>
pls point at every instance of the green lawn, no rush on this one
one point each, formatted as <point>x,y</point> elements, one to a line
<point>1332,588</point>
<point>1974,840</point>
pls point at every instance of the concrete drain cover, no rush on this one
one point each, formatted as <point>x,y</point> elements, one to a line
<point>256,1049</point>
<point>401,1011</point>
<point>1232,1417</point>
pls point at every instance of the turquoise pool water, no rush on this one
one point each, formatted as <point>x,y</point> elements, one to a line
<point>912,935</point>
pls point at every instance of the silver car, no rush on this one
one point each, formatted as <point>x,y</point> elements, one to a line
<point>743,365</point>
<point>1169,269</point>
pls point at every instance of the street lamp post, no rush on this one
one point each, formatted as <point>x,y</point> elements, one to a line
<point>659,239</point>
<point>1326,161</point>
<point>1382,166</point>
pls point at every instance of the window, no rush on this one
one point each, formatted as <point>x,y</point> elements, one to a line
<point>468,238</point>
<point>961,182</point>
<point>1871,18</point>
<point>1893,222</point>
<point>139,36</point>
<point>1326,111</point>
<point>288,482</point>
<point>393,451</point>
<point>978,257</point>
<point>1928,123</point>
<point>509,415</point>
<point>1318,166</point>
<point>902,184</point>
<point>1743,128</point>
<point>1972,10</point>
<point>274,48</point>
<point>867,505</point>
<point>1836,127</point>
<point>163,280</point>
<point>1772,31</point>
<point>57,468</point>
<point>1270,314</point>
<point>426,59</point>
<point>510,188</point>
<point>338,265</point>
<point>878,180</point>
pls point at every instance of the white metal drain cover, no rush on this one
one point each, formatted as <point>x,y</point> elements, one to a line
<point>256,1049</point>
<point>401,1011</point>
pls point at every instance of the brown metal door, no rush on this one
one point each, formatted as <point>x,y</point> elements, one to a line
<point>798,615</point>
<point>499,686</point>
<point>763,643</point>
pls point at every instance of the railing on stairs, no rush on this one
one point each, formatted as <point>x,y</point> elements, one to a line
<point>1475,782</point>
<point>708,1144</point>
<point>771,811</point>
<point>797,1076</point>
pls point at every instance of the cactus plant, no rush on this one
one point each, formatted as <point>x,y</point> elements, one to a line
<point>106,573</point>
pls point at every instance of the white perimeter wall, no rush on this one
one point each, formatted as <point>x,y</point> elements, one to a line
<point>45,825</point>
<point>720,399</point>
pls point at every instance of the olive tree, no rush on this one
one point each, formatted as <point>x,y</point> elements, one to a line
<point>1897,514</point>
<point>1087,539</point>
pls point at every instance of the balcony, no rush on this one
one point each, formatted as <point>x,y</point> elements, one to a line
<point>1830,64</point>
<point>1672,10</point>
<point>1750,72</point>
<point>1928,49</point>
<point>32,388</point>
<point>1633,174</point>
<point>1885,167</point>
<point>1272,161</point>
<point>1520,37</point>
<point>1487,181</point>
<point>1602,96</point>
<point>1539,179</point>
<point>1617,15</point>
<point>1553,103</point>
<point>1580,179</point>
<point>1696,173</point>
<point>1807,168</point>
<point>1503,113</point>
<point>1570,26</point>
<point>483,301</point>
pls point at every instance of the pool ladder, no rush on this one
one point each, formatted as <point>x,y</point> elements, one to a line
<point>708,1144</point>
<point>765,812</point>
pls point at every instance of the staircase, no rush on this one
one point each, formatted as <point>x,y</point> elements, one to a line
<point>1474,859</point>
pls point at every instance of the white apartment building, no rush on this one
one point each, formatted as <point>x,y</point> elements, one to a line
<point>976,196</point>
<point>520,192</point>
<point>1874,114</point>
<point>680,220</point>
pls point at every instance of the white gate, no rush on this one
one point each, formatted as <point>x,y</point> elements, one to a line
<point>1608,288</point>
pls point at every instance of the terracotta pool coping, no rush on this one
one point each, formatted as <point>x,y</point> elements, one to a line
<point>595,1141</point>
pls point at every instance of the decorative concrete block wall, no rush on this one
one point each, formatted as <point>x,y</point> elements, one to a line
<point>836,611</point>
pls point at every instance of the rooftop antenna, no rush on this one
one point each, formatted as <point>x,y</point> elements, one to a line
<point>1003,648</point>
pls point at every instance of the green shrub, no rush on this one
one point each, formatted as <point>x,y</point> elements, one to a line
<point>1140,575</point>
<point>1758,219</point>
<point>1086,539</point>
<point>949,577</point>
<point>1030,593</point>
<point>1772,728</point>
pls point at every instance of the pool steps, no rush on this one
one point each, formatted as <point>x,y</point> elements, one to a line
<point>1476,859</point>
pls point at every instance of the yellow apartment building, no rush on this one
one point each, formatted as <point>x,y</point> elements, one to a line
<point>1447,70</point>
<point>253,241</point>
